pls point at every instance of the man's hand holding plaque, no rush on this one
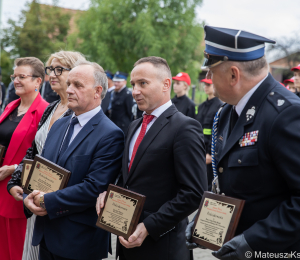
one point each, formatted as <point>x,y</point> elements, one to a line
<point>31,203</point>
<point>216,221</point>
<point>119,211</point>
<point>46,176</point>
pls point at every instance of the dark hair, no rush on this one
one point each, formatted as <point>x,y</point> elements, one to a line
<point>37,67</point>
<point>157,62</point>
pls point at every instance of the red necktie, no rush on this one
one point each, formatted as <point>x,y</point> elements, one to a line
<point>146,120</point>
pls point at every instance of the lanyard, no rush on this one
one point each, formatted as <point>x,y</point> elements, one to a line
<point>215,183</point>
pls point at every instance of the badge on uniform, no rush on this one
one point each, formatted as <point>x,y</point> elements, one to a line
<point>250,113</point>
<point>249,139</point>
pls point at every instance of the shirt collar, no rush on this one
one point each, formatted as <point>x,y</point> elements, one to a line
<point>121,89</point>
<point>85,117</point>
<point>111,89</point>
<point>158,111</point>
<point>243,102</point>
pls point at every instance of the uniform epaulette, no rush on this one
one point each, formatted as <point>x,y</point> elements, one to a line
<point>278,101</point>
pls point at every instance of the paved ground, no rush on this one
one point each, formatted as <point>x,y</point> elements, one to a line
<point>199,254</point>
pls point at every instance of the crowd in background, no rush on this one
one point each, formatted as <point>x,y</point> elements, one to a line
<point>38,96</point>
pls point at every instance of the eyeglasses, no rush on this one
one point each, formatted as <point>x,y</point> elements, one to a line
<point>21,77</point>
<point>57,70</point>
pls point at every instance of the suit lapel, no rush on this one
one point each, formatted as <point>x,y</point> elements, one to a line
<point>83,133</point>
<point>157,126</point>
<point>10,107</point>
<point>60,139</point>
<point>133,128</point>
<point>21,130</point>
<point>254,102</point>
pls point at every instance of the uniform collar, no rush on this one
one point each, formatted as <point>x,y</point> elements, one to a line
<point>119,91</point>
<point>111,89</point>
<point>242,103</point>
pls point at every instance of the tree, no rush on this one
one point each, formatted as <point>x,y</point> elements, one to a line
<point>6,67</point>
<point>287,47</point>
<point>40,30</point>
<point>117,33</point>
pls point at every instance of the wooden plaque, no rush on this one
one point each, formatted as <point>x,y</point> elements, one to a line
<point>121,212</point>
<point>25,172</point>
<point>2,150</point>
<point>46,176</point>
<point>216,220</point>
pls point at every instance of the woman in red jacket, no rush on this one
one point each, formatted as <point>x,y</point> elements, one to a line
<point>18,126</point>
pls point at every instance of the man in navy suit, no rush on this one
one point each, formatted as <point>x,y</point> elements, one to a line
<point>89,145</point>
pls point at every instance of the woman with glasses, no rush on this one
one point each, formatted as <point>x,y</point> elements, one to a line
<point>18,126</point>
<point>58,66</point>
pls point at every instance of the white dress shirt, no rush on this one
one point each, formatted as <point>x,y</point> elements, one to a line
<point>156,113</point>
<point>243,102</point>
<point>83,119</point>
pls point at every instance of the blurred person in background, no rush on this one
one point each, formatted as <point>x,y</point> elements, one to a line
<point>107,101</point>
<point>206,114</point>
<point>58,67</point>
<point>290,85</point>
<point>181,85</point>
<point>2,90</point>
<point>296,71</point>
<point>18,126</point>
<point>122,103</point>
<point>10,94</point>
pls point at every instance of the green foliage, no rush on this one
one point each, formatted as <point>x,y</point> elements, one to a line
<point>117,33</point>
<point>40,31</point>
<point>6,66</point>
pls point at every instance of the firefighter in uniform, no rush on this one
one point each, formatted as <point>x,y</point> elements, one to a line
<point>122,103</point>
<point>206,114</point>
<point>257,146</point>
<point>184,105</point>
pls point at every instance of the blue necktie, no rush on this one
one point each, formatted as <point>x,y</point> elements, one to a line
<point>66,142</point>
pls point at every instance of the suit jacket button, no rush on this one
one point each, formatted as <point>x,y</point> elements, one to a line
<point>216,153</point>
<point>272,93</point>
<point>220,169</point>
<point>239,161</point>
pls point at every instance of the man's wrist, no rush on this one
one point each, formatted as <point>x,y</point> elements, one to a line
<point>42,202</point>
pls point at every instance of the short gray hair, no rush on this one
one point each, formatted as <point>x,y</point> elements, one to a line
<point>99,75</point>
<point>254,67</point>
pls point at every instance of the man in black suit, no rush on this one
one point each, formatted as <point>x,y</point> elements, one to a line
<point>256,152</point>
<point>164,159</point>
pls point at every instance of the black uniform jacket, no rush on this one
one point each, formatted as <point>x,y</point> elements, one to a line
<point>206,113</point>
<point>169,169</point>
<point>184,105</point>
<point>105,102</point>
<point>267,173</point>
<point>122,105</point>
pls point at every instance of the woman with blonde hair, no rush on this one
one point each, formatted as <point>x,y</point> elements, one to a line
<point>58,67</point>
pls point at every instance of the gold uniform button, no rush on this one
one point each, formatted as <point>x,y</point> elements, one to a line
<point>220,169</point>
<point>239,161</point>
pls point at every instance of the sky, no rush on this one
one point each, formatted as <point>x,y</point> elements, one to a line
<point>269,18</point>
